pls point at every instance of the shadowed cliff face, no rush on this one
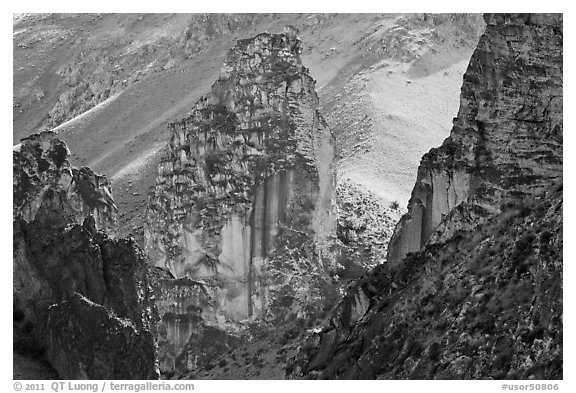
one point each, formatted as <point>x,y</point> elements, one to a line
<point>506,141</point>
<point>81,299</point>
<point>473,284</point>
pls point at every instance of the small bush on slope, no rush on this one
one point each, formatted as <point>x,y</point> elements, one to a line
<point>487,304</point>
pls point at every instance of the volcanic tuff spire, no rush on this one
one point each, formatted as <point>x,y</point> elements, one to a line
<point>253,165</point>
<point>506,141</point>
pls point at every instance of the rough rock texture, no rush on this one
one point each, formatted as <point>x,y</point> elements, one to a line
<point>81,299</point>
<point>481,296</point>
<point>45,182</point>
<point>185,307</point>
<point>365,225</point>
<point>506,141</point>
<point>89,341</point>
<point>487,304</point>
<point>245,201</point>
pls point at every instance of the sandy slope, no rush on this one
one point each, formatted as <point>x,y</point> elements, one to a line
<point>407,117</point>
<point>388,109</point>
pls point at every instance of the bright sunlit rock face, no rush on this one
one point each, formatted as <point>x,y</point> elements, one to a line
<point>253,161</point>
<point>252,167</point>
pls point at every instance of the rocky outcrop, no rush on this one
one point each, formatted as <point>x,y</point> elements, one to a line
<point>244,204</point>
<point>365,226</point>
<point>185,306</point>
<point>506,141</point>
<point>46,186</point>
<point>473,284</point>
<point>484,305</point>
<point>81,299</point>
<point>89,341</point>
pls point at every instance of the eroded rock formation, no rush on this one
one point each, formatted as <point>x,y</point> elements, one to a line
<point>473,284</point>
<point>484,305</point>
<point>244,203</point>
<point>506,141</point>
<point>46,185</point>
<point>81,299</point>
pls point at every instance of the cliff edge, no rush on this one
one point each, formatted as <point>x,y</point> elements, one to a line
<point>473,284</point>
<point>506,142</point>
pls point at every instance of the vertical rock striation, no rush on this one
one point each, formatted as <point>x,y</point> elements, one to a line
<point>244,203</point>
<point>81,299</point>
<point>254,160</point>
<point>506,141</point>
<point>473,284</point>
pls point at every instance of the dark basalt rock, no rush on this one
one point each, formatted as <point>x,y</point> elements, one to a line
<point>48,188</point>
<point>487,304</point>
<point>473,284</point>
<point>82,300</point>
<point>88,341</point>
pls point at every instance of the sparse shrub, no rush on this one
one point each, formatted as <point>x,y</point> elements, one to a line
<point>281,358</point>
<point>434,351</point>
<point>525,211</point>
<point>545,237</point>
<point>522,250</point>
<point>395,205</point>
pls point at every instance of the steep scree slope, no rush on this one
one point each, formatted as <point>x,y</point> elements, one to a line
<point>397,96</point>
<point>125,76</point>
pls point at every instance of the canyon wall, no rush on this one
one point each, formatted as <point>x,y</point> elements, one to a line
<point>473,284</point>
<point>245,202</point>
<point>483,305</point>
<point>82,300</point>
<point>506,141</point>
